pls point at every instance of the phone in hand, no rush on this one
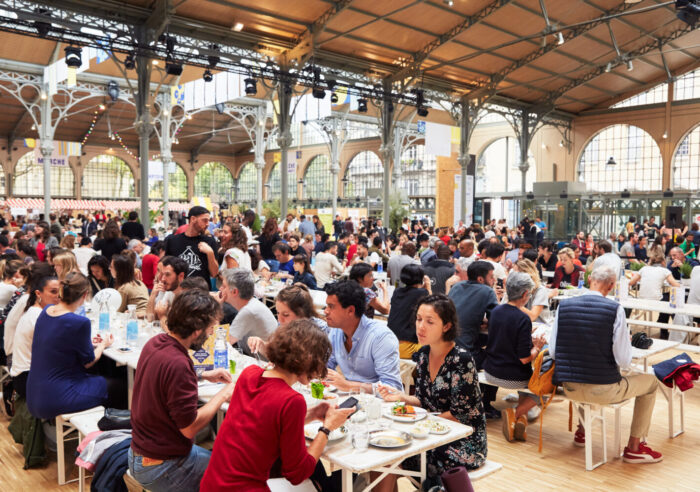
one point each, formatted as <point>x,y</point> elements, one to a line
<point>499,283</point>
<point>349,403</point>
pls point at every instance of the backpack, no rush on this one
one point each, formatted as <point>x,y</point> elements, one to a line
<point>541,383</point>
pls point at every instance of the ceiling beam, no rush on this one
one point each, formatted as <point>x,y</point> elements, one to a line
<point>413,69</point>
<point>489,86</point>
<point>644,50</point>
<point>15,128</point>
<point>159,19</point>
<point>306,43</point>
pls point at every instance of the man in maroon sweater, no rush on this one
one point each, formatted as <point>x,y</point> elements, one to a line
<point>164,413</point>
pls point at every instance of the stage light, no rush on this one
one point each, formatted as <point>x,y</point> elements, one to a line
<point>611,161</point>
<point>130,61</point>
<point>251,86</point>
<point>113,90</point>
<point>362,105</point>
<point>334,98</point>
<point>207,75</point>
<point>630,67</point>
<point>213,59</point>
<point>172,67</point>
<point>73,56</point>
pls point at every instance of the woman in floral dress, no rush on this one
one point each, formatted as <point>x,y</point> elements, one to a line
<point>447,382</point>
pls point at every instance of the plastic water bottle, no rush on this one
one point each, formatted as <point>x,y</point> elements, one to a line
<point>380,266</point>
<point>313,259</point>
<point>132,327</point>
<point>580,282</point>
<point>220,351</point>
<point>104,318</point>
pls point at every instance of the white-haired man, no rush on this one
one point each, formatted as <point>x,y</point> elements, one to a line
<point>590,341</point>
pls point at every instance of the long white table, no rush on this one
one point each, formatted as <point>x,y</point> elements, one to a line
<point>692,310</point>
<point>656,348</point>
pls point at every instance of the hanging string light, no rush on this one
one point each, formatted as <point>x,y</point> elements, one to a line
<point>124,146</point>
<point>92,127</point>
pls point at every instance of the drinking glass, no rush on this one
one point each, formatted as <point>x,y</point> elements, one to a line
<point>360,436</point>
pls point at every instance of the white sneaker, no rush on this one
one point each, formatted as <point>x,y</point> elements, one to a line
<point>533,413</point>
<point>511,398</point>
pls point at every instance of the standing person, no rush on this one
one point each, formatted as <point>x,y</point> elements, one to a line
<point>194,246</point>
<point>83,254</point>
<point>590,342</point>
<point>133,229</point>
<point>265,421</point>
<point>337,227</point>
<point>318,226</point>
<point>398,262</point>
<point>62,351</point>
<point>416,285</point>
<point>447,384</point>
<point>111,243</point>
<point>43,240</point>
<point>164,415</point>
<point>268,238</point>
<point>327,264</point>
<point>306,227</point>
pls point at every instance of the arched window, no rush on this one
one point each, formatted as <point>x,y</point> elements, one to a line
<point>418,178</point>
<point>364,171</point>
<point>317,179</point>
<point>637,161</point>
<point>247,180</point>
<point>498,168</point>
<point>686,162</point>
<point>177,181</point>
<point>214,180</point>
<point>108,176</point>
<point>28,178</point>
<point>274,183</point>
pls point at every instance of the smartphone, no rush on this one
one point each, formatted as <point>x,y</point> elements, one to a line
<point>124,349</point>
<point>349,403</point>
<point>499,283</point>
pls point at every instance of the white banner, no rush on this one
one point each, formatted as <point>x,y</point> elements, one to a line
<point>469,219</point>
<point>438,139</point>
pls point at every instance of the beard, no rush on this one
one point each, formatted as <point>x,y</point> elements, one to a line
<point>199,341</point>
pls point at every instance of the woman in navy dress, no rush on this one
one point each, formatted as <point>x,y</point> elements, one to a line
<point>62,351</point>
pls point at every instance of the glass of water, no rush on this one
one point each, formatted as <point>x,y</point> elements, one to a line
<point>360,436</point>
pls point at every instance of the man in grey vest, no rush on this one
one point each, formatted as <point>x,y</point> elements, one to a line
<point>590,341</point>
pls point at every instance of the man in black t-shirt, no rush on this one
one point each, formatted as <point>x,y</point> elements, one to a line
<point>197,249</point>
<point>133,229</point>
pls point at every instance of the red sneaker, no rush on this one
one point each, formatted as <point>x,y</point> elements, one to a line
<point>644,455</point>
<point>579,438</point>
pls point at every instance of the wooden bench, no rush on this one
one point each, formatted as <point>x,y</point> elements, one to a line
<point>84,422</point>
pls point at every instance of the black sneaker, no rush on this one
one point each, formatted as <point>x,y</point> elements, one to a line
<point>492,414</point>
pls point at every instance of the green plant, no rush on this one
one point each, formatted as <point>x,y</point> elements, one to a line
<point>585,278</point>
<point>635,267</point>
<point>686,269</point>
<point>397,211</point>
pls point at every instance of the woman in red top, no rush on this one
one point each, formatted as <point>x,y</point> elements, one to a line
<point>266,417</point>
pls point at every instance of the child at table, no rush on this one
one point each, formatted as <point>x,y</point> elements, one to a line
<point>446,382</point>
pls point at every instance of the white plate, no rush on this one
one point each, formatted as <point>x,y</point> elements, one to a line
<point>420,414</point>
<point>435,427</point>
<point>311,430</point>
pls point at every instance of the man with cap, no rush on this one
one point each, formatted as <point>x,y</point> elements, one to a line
<point>194,246</point>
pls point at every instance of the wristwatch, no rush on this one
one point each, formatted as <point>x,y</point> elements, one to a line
<point>325,430</point>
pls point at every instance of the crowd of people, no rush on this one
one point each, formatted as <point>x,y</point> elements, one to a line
<point>456,300</point>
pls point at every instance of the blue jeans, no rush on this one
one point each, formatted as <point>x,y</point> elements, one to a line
<point>176,475</point>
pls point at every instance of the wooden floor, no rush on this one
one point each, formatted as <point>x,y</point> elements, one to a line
<point>559,467</point>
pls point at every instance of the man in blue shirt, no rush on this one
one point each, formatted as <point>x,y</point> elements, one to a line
<point>367,351</point>
<point>281,252</point>
<point>306,227</point>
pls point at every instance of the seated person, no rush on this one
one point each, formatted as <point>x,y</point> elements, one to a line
<point>446,383</point>
<point>362,274</point>
<point>42,292</point>
<point>133,291</point>
<point>510,350</point>
<point>366,350</point>
<point>99,274</point>
<point>170,273</point>
<point>293,302</point>
<point>281,252</point>
<point>254,319</point>
<point>164,415</point>
<point>401,317</point>
<point>537,307</point>
<point>568,273</point>
<point>266,418</point>
<point>303,273</point>
<point>62,351</point>
<point>590,342</point>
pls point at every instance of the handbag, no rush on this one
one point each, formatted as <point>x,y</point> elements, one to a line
<point>115,419</point>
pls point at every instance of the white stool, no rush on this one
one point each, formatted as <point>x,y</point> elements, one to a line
<point>590,412</point>
<point>406,367</point>
<point>486,469</point>
<point>671,394</point>
<point>283,485</point>
<point>64,426</point>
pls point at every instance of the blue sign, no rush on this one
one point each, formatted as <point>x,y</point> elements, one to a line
<point>421,126</point>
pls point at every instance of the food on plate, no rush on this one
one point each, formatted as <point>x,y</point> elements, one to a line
<point>435,426</point>
<point>317,390</point>
<point>400,408</point>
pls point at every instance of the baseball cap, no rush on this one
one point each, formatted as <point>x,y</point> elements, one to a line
<point>197,210</point>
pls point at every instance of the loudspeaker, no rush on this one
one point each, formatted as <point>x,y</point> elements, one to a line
<point>674,216</point>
